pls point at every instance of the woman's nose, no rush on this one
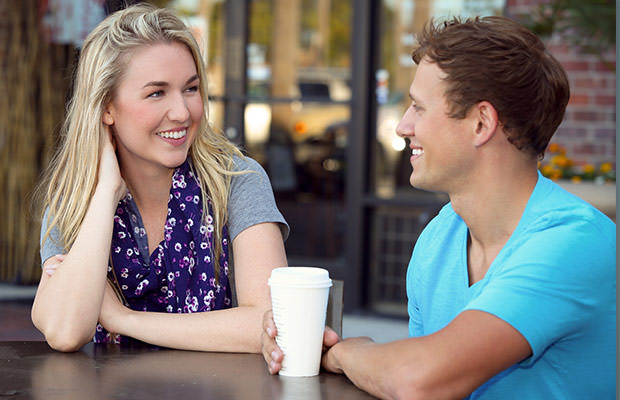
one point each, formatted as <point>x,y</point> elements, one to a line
<point>178,109</point>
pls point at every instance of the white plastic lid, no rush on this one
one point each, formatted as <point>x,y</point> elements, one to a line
<point>300,277</point>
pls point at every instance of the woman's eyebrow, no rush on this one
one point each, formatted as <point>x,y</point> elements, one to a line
<point>156,83</point>
<point>193,78</point>
<point>162,83</point>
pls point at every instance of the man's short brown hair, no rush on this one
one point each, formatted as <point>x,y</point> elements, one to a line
<point>497,60</point>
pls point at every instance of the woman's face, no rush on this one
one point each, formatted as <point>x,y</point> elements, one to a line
<point>156,109</point>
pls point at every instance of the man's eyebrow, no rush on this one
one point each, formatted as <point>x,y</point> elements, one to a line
<point>162,83</point>
<point>414,99</point>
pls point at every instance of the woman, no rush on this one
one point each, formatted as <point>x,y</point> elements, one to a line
<point>145,200</point>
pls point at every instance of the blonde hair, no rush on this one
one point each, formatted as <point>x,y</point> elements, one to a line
<point>71,177</point>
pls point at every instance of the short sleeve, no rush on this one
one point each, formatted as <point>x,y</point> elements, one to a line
<point>52,245</point>
<point>251,200</point>
<point>553,284</point>
<point>416,327</point>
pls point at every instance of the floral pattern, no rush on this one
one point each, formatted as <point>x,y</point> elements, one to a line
<point>179,276</point>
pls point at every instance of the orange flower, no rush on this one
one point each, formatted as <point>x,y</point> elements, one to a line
<point>605,168</point>
<point>554,147</point>
<point>560,160</point>
<point>588,168</point>
<point>547,170</point>
<point>576,179</point>
<point>555,175</point>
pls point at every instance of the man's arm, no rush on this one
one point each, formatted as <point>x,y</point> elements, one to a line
<point>450,363</point>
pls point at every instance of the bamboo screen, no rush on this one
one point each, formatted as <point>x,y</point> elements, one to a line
<point>34,80</point>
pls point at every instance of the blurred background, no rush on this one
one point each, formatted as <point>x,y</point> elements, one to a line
<point>313,90</point>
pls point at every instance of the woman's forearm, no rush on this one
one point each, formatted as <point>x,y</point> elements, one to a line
<point>230,330</point>
<point>67,304</point>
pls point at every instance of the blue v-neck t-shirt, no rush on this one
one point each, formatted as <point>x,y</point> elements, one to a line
<point>554,281</point>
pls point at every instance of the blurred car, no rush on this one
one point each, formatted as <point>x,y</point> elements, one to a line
<point>315,111</point>
<point>318,104</point>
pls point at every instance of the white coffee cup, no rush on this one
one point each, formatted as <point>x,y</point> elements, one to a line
<point>299,302</point>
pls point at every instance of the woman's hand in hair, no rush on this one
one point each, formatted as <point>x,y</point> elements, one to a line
<point>109,170</point>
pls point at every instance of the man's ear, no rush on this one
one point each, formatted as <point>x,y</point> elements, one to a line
<point>107,118</point>
<point>487,122</point>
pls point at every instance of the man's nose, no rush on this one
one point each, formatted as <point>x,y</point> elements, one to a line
<point>406,126</point>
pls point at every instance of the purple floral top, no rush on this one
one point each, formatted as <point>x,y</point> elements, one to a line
<point>179,276</point>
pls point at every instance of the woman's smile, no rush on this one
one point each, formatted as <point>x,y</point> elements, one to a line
<point>175,137</point>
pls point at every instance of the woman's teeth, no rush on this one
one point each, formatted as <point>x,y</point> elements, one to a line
<point>173,135</point>
<point>417,152</point>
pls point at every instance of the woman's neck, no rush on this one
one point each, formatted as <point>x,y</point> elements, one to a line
<point>150,187</point>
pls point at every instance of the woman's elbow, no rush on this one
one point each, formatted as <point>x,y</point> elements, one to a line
<point>65,341</point>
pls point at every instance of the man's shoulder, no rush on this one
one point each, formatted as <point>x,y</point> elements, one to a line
<point>560,229</point>
<point>556,209</point>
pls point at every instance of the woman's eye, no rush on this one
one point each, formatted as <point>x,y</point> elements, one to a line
<point>192,88</point>
<point>158,93</point>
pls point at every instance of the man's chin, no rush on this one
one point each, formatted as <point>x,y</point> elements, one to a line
<point>420,184</point>
<point>416,182</point>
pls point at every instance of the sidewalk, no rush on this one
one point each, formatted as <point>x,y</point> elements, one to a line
<point>16,292</point>
<point>380,329</point>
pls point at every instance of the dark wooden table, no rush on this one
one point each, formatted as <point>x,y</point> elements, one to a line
<point>32,370</point>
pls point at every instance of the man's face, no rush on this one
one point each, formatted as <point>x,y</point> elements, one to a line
<point>440,152</point>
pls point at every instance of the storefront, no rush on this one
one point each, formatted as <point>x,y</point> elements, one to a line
<point>315,98</point>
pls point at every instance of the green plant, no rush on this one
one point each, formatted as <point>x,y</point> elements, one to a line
<point>589,25</point>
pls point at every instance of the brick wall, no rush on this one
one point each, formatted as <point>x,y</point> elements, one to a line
<point>588,131</point>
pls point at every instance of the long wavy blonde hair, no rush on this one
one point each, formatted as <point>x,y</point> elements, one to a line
<point>71,178</point>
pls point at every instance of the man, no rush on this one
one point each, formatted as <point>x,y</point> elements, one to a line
<point>512,286</point>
